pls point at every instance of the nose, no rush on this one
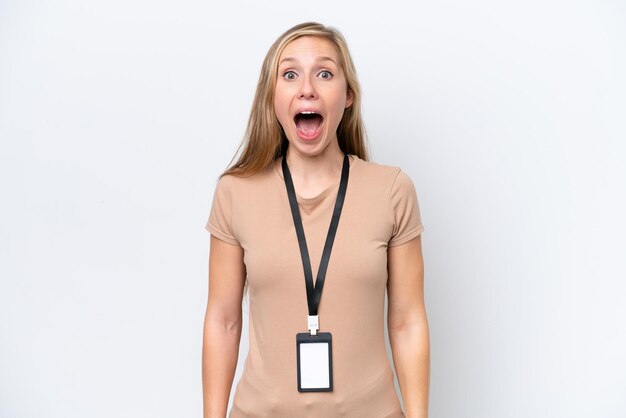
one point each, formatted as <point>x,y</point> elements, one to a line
<point>307,89</point>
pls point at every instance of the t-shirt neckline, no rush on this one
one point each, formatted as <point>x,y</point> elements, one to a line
<point>309,200</point>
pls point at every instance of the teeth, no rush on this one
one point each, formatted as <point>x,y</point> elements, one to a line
<point>306,112</point>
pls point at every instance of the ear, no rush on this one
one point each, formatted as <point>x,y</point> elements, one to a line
<point>349,98</point>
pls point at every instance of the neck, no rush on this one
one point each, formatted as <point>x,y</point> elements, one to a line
<point>312,168</point>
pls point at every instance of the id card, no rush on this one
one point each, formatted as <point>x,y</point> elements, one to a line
<point>315,362</point>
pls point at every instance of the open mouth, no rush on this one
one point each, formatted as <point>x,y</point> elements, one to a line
<point>308,123</point>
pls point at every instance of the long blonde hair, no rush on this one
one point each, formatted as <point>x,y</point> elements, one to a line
<point>265,139</point>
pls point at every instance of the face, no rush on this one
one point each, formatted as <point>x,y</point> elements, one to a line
<point>311,93</point>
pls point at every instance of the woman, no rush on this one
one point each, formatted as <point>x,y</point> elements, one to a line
<point>303,199</point>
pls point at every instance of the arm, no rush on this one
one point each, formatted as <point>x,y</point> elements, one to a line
<point>222,326</point>
<point>408,325</point>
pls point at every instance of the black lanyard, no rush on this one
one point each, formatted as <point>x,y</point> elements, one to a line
<point>314,293</point>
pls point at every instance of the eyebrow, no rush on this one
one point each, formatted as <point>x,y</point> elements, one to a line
<point>292,59</point>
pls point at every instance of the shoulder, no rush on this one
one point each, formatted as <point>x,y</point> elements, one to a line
<point>224,184</point>
<point>241,190</point>
<point>240,182</point>
<point>387,176</point>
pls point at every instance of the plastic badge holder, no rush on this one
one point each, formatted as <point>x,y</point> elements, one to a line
<point>315,362</point>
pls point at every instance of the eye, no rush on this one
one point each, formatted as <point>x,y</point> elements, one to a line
<point>330,75</point>
<point>285,75</point>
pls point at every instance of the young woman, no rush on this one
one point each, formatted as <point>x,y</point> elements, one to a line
<point>316,233</point>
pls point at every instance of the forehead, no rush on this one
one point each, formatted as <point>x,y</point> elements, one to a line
<point>309,48</point>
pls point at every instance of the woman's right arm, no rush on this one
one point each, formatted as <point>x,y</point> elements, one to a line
<point>222,326</point>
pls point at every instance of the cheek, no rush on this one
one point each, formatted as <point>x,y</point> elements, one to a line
<point>339,101</point>
<point>281,112</point>
<point>281,108</point>
<point>336,96</point>
<point>278,103</point>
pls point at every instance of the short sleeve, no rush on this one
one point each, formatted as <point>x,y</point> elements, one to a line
<point>221,216</point>
<point>407,221</point>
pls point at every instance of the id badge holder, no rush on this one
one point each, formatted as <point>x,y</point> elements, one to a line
<point>315,362</point>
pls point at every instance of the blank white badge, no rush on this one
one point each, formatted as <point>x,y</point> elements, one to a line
<point>315,364</point>
<point>314,368</point>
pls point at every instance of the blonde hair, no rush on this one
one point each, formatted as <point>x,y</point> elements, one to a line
<point>265,139</point>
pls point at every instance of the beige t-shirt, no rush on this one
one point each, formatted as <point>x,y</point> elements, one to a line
<point>380,210</point>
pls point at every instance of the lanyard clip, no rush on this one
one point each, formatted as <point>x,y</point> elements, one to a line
<point>314,324</point>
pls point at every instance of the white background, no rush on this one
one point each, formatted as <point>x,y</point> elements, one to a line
<point>117,117</point>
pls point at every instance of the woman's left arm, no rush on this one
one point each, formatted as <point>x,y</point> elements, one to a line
<point>408,325</point>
